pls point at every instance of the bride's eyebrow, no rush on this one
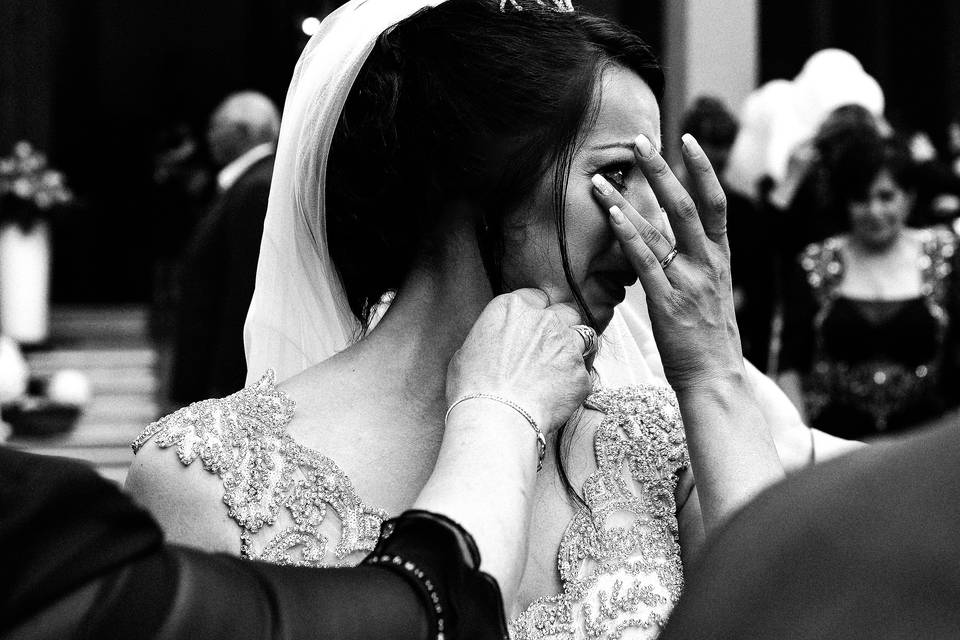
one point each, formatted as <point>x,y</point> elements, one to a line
<point>613,145</point>
<point>628,145</point>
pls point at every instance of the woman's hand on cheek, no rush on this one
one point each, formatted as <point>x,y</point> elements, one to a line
<point>688,286</point>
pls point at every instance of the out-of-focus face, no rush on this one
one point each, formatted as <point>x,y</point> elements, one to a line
<point>877,221</point>
<point>600,269</point>
<point>225,139</point>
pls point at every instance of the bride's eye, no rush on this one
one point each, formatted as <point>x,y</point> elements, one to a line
<point>617,177</point>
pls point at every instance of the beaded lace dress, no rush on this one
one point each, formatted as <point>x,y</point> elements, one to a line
<point>619,558</point>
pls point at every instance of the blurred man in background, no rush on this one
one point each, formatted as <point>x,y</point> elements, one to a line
<point>220,261</point>
<point>715,127</point>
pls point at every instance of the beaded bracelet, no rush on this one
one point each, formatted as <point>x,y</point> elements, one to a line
<point>541,441</point>
<point>421,578</point>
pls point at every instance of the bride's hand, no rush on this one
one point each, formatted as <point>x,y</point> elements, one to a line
<point>524,350</point>
<point>688,286</point>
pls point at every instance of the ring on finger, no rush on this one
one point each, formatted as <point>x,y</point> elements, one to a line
<point>590,340</point>
<point>669,258</point>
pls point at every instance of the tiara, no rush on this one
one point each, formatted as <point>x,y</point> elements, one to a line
<point>560,6</point>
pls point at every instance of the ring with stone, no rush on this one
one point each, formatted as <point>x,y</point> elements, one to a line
<point>590,339</point>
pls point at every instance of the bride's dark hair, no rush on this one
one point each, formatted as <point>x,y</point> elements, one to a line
<point>462,102</point>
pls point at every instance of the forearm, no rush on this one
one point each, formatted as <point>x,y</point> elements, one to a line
<point>731,449</point>
<point>484,480</point>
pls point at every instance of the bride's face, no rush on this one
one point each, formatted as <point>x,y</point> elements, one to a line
<point>600,269</point>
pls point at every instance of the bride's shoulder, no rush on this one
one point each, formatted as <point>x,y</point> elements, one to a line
<point>219,444</point>
<point>210,429</point>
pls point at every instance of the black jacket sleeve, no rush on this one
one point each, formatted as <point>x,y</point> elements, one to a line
<point>79,560</point>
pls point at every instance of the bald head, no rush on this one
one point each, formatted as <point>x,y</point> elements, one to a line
<point>241,122</point>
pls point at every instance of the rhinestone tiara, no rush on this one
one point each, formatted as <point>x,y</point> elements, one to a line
<point>561,6</point>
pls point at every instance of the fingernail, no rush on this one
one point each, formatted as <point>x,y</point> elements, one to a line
<point>643,146</point>
<point>617,215</point>
<point>690,144</point>
<point>602,185</point>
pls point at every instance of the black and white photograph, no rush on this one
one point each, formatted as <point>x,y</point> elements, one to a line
<point>480,319</point>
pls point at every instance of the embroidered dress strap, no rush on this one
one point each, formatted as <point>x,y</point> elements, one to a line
<point>939,245</point>
<point>293,505</point>
<point>822,262</point>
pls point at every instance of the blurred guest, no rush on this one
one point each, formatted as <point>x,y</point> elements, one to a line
<point>810,212</point>
<point>868,343</point>
<point>862,547</point>
<point>784,115</point>
<point>220,261</point>
<point>938,189</point>
<point>182,191</point>
<point>183,187</point>
<point>715,127</point>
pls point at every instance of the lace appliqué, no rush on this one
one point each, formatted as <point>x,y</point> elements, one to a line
<point>267,476</point>
<point>619,558</point>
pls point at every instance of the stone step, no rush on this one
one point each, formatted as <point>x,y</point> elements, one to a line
<point>122,408</point>
<point>98,456</point>
<point>50,361</point>
<point>99,322</point>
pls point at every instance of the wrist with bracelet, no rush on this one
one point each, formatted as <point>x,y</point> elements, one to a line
<point>440,560</point>
<point>541,440</point>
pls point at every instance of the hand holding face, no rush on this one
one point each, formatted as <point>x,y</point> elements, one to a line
<point>526,351</point>
<point>688,286</point>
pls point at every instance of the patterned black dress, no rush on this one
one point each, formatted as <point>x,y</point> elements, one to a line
<point>872,366</point>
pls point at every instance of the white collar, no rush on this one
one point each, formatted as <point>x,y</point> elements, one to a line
<point>232,172</point>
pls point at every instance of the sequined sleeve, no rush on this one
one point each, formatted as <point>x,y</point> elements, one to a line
<point>280,494</point>
<point>619,559</point>
<point>808,287</point>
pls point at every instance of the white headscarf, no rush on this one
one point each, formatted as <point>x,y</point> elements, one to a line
<point>299,314</point>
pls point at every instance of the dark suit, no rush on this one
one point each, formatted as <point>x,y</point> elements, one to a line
<point>217,279</point>
<point>79,560</point>
<point>867,546</point>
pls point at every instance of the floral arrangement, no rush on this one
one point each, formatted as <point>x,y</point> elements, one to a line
<point>29,189</point>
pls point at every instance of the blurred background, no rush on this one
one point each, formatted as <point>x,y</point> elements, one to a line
<point>114,100</point>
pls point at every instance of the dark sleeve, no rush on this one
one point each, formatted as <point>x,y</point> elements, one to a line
<point>799,309</point>
<point>244,216</point>
<point>80,560</point>
<point>201,285</point>
<point>864,546</point>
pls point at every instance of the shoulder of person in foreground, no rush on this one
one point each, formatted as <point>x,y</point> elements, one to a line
<point>214,467</point>
<point>864,546</point>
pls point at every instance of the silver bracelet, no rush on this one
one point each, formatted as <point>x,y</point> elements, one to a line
<point>541,441</point>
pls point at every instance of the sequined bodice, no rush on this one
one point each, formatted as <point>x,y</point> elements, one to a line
<point>619,558</point>
<point>880,358</point>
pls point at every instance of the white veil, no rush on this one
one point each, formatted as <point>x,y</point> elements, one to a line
<point>299,315</point>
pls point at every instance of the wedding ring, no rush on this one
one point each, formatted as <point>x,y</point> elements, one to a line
<point>669,258</point>
<point>590,340</point>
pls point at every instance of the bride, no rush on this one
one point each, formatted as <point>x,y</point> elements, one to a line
<point>432,156</point>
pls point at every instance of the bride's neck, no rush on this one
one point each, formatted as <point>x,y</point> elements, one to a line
<point>428,320</point>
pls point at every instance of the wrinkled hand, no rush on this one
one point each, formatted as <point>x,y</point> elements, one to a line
<point>690,298</point>
<point>525,351</point>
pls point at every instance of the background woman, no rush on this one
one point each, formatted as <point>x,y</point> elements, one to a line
<point>868,326</point>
